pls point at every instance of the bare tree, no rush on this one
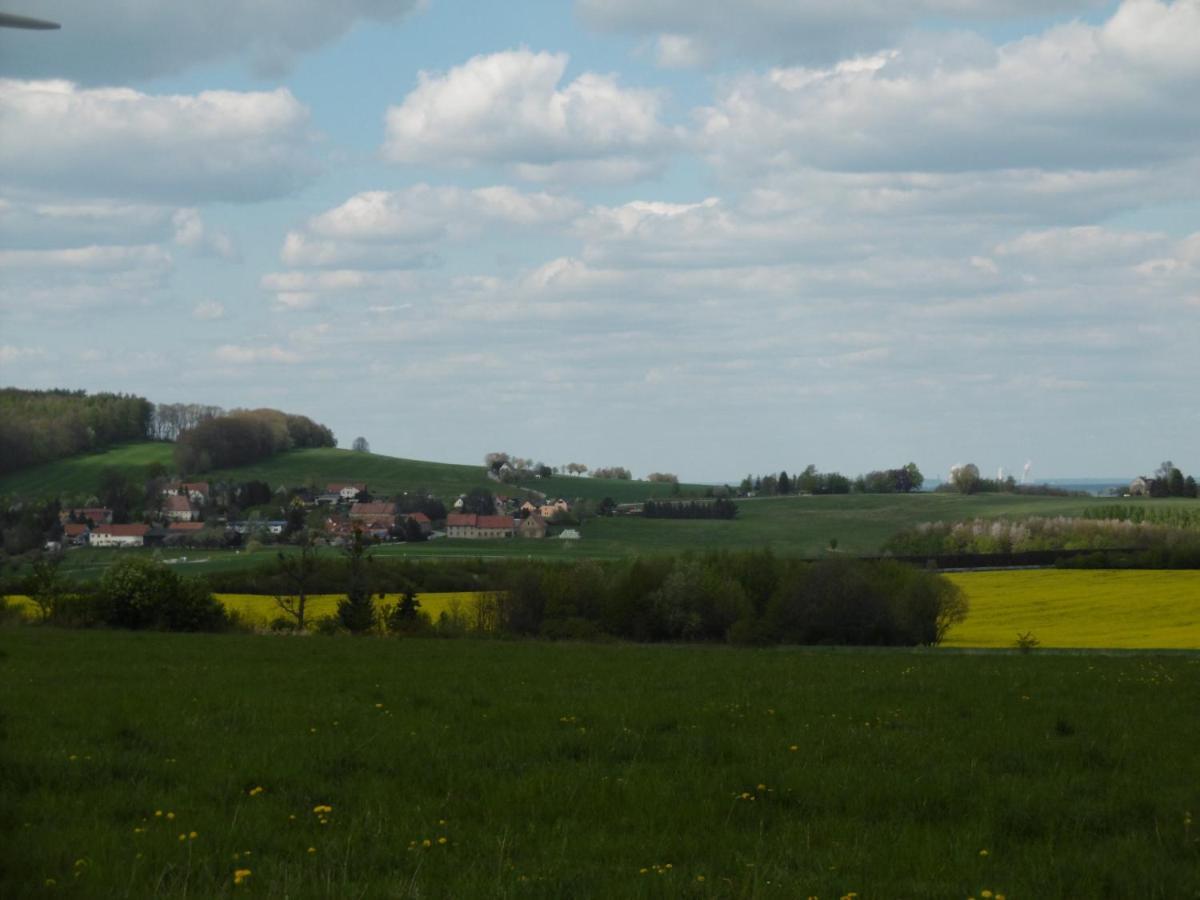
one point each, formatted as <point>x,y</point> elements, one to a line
<point>297,571</point>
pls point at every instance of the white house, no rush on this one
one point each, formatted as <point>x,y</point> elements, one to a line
<point>119,535</point>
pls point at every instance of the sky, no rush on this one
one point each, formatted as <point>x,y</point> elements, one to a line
<point>689,236</point>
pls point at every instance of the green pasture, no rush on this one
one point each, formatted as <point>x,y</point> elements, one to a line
<point>136,765</point>
<point>384,475</point>
<point>79,476</point>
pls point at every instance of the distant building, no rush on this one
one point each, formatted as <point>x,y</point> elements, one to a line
<point>378,510</point>
<point>569,534</point>
<point>533,526</point>
<point>97,515</point>
<point>423,522</point>
<point>473,527</point>
<point>119,535</point>
<point>347,490</point>
<point>76,533</point>
<point>178,508</point>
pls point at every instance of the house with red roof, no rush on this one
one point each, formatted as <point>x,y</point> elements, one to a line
<point>473,527</point>
<point>178,508</point>
<point>119,535</point>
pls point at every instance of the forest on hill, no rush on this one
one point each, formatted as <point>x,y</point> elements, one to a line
<point>42,426</point>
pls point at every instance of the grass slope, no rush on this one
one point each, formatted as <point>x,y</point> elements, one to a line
<point>385,475</point>
<point>131,765</point>
<point>80,475</point>
<point>1081,608</point>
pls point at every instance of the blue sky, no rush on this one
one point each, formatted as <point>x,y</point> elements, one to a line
<point>698,237</point>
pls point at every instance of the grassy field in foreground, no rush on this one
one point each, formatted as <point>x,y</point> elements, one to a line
<point>1080,608</point>
<point>156,764</point>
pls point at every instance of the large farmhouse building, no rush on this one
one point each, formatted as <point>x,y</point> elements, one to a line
<point>119,535</point>
<point>471,526</point>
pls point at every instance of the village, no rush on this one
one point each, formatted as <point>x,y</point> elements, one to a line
<point>188,516</point>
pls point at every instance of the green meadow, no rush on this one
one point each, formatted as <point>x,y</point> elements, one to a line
<point>139,764</point>
<point>384,475</point>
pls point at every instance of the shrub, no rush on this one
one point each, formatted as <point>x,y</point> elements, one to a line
<point>138,593</point>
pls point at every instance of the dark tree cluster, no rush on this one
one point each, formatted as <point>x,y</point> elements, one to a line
<point>1169,481</point>
<point>720,508</point>
<point>40,426</point>
<point>743,598</point>
<point>246,436</point>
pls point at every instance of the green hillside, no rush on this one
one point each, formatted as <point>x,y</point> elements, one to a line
<point>80,475</point>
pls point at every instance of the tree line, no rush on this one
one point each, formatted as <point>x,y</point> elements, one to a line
<point>743,598</point>
<point>721,508</point>
<point>901,480</point>
<point>42,426</point>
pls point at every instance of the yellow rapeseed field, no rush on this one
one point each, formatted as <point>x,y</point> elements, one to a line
<point>1143,609</point>
<point>262,609</point>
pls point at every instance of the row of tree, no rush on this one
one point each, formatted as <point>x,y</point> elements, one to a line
<point>41,426</point>
<point>721,508</point>
<point>810,481</point>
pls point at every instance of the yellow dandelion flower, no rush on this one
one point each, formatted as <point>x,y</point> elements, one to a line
<point>312,849</point>
<point>983,853</point>
<point>50,882</point>
<point>183,837</point>
<point>427,843</point>
<point>442,840</point>
<point>793,748</point>
<point>700,878</point>
<point>193,835</point>
<point>762,787</point>
<point>170,815</point>
<point>158,814</point>
<point>985,894</point>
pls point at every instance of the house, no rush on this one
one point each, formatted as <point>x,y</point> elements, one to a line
<point>184,528</point>
<point>119,535</point>
<point>548,510</point>
<point>197,491</point>
<point>532,527</point>
<point>178,508</point>
<point>473,527</point>
<point>76,533</point>
<point>529,507</point>
<point>346,490</point>
<point>378,510</point>
<point>97,515</point>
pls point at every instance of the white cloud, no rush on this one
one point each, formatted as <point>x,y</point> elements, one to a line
<point>1077,97</point>
<point>509,108</point>
<point>60,138</point>
<point>39,224</point>
<point>399,229</point>
<point>191,232</point>
<point>208,310</point>
<point>244,355</point>
<point>10,355</point>
<point>92,259</point>
<point>693,32</point>
<point>121,40</point>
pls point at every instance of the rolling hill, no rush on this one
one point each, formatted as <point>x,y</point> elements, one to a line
<point>80,475</point>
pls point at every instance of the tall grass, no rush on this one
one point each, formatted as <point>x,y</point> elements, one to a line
<point>372,768</point>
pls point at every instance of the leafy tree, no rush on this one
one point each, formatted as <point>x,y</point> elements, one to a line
<point>357,612</point>
<point>46,586</point>
<point>298,572</point>
<point>139,593</point>
<point>784,485</point>
<point>480,502</point>
<point>360,445</point>
<point>915,479</point>
<point>965,478</point>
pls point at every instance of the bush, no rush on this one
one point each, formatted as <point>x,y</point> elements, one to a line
<point>138,593</point>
